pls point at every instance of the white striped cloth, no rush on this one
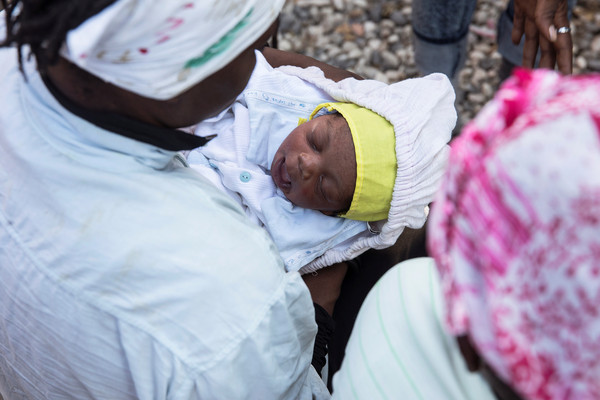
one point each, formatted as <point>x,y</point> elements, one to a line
<point>399,349</point>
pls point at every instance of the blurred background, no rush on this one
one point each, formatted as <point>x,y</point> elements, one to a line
<point>374,39</point>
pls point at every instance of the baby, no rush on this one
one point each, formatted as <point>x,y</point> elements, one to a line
<point>318,166</point>
<point>297,151</point>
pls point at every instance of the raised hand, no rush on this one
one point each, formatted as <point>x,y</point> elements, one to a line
<point>545,24</point>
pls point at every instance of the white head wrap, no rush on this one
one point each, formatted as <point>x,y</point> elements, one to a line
<point>159,49</point>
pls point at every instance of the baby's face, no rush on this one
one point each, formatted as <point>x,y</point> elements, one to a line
<point>315,166</point>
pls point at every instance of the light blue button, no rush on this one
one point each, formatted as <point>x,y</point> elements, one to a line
<point>245,176</point>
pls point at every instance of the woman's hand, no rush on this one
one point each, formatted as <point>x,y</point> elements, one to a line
<point>539,21</point>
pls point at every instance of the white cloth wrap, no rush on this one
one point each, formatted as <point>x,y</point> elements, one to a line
<point>423,115</point>
<point>159,49</point>
<point>251,131</point>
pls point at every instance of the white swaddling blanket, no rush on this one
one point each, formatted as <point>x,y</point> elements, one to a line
<point>238,160</point>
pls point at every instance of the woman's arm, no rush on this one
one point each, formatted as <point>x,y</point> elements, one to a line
<point>278,58</point>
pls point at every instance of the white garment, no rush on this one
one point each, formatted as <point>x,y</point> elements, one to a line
<point>125,275</point>
<point>238,160</point>
<point>399,348</point>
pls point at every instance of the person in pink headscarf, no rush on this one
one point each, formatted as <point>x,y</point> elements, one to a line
<point>514,283</point>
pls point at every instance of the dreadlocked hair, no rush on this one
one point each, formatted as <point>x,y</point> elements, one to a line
<point>42,25</point>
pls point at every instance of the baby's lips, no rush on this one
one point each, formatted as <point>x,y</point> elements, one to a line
<point>280,175</point>
<point>285,176</point>
<point>286,181</point>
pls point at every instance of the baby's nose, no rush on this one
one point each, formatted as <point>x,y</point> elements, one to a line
<point>308,165</point>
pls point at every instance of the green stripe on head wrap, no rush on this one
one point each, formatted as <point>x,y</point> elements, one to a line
<point>218,47</point>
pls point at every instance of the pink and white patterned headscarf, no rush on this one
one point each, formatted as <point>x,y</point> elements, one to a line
<point>515,232</point>
<point>159,49</point>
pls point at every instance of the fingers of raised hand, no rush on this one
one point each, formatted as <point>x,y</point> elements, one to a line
<point>530,46</point>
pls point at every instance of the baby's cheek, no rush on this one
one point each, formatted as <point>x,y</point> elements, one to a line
<point>307,192</point>
<point>303,197</point>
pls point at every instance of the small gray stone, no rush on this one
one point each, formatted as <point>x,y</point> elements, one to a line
<point>595,45</point>
<point>339,5</point>
<point>288,23</point>
<point>399,48</point>
<point>360,3</point>
<point>361,42</point>
<point>487,90</point>
<point>385,32</point>
<point>487,63</point>
<point>478,77</point>
<point>302,13</point>
<point>392,76</point>
<point>315,12</point>
<point>375,43</point>
<point>374,12</point>
<point>371,29</point>
<point>388,24</point>
<point>393,38</point>
<point>478,98</point>
<point>380,76</point>
<point>348,46</point>
<point>399,18</point>
<point>581,62</point>
<point>356,53</point>
<point>376,58</point>
<point>390,61</point>
<point>594,64</point>
<point>333,51</point>
<point>284,45</point>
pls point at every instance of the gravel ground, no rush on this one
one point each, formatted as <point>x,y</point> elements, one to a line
<point>374,39</point>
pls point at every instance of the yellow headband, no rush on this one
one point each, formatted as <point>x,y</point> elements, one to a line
<point>374,146</point>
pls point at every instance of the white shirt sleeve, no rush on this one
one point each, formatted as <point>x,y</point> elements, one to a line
<point>399,349</point>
